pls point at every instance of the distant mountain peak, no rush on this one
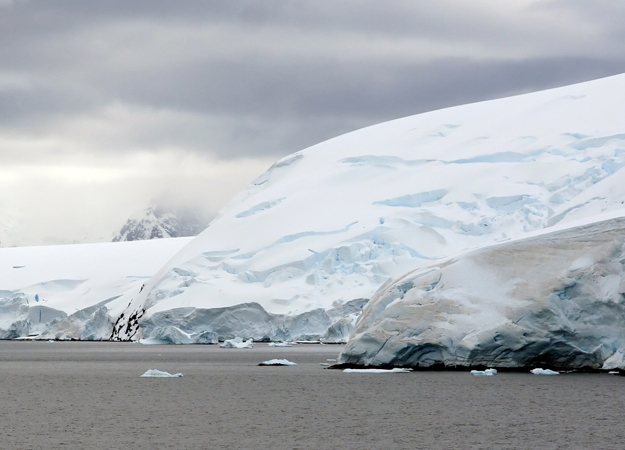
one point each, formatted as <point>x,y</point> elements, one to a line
<point>156,222</point>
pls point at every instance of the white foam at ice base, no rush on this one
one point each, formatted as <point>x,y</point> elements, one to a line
<point>278,362</point>
<point>280,344</point>
<point>396,370</point>
<point>539,371</point>
<point>237,342</point>
<point>155,373</point>
<point>487,372</point>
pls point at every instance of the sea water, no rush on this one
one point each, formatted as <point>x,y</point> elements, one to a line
<point>78,395</point>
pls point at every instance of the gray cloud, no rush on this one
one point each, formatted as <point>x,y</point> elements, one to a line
<point>225,83</point>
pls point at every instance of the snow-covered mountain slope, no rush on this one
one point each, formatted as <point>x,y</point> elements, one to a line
<point>334,222</point>
<point>552,300</point>
<point>156,223</point>
<point>75,291</point>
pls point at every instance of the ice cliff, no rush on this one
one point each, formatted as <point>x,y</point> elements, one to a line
<point>74,291</point>
<point>334,222</point>
<point>556,299</point>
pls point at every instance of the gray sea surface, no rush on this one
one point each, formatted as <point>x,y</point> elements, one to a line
<point>89,395</point>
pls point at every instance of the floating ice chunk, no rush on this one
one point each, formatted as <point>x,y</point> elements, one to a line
<point>613,372</point>
<point>237,342</point>
<point>324,364</point>
<point>396,370</point>
<point>154,373</point>
<point>487,372</point>
<point>278,362</point>
<point>544,372</point>
<point>280,344</point>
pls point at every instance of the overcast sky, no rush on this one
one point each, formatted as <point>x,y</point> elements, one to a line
<point>107,106</point>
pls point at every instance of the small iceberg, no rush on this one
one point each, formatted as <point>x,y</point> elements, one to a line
<point>280,344</point>
<point>278,362</point>
<point>377,370</point>
<point>544,372</point>
<point>154,373</point>
<point>237,342</point>
<point>487,372</point>
<point>613,372</point>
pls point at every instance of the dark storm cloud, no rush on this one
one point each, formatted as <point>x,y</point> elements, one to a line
<point>369,16</point>
<point>75,58</point>
<point>276,109</point>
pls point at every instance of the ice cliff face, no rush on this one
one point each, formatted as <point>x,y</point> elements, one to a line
<point>74,291</point>
<point>156,223</point>
<point>555,300</point>
<point>332,223</point>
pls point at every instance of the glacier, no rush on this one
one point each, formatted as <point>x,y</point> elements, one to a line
<point>75,291</point>
<point>299,253</point>
<point>555,299</point>
<point>333,223</point>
